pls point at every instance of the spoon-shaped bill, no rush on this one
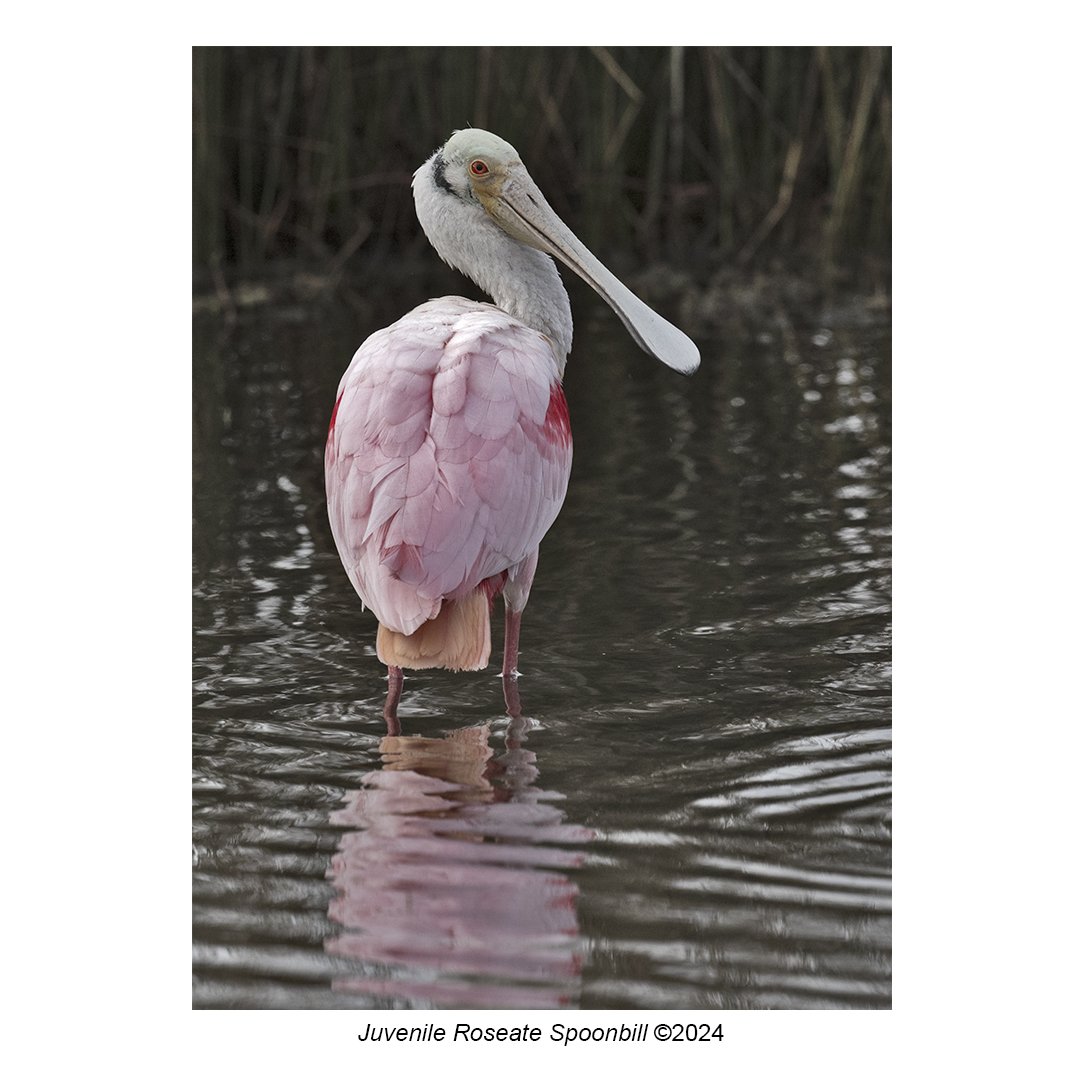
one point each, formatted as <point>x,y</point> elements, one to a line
<point>522,211</point>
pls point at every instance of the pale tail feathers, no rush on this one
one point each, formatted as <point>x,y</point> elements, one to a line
<point>458,638</point>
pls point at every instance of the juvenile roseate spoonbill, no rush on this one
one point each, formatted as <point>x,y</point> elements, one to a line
<point>449,447</point>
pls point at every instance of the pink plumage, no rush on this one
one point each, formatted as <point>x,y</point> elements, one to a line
<point>449,447</point>
<point>443,466</point>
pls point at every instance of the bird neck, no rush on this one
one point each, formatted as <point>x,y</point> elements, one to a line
<point>526,285</point>
<point>519,279</point>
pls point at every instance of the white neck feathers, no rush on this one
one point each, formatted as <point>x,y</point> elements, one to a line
<point>519,279</point>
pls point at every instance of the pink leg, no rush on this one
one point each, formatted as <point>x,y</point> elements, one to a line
<point>393,695</point>
<point>510,659</point>
<point>516,594</point>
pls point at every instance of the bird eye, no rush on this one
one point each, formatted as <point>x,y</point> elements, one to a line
<point>478,168</point>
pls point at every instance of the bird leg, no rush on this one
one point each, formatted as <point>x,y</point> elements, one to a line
<point>510,658</point>
<point>516,596</point>
<point>395,678</point>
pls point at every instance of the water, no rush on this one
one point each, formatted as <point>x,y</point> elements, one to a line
<point>695,810</point>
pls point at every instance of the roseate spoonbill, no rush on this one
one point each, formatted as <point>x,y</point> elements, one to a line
<point>449,447</point>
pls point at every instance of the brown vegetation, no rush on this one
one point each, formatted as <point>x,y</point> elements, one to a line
<point>701,157</point>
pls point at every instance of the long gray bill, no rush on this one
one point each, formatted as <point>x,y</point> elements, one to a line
<point>525,214</point>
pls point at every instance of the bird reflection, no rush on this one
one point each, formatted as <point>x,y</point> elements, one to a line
<point>451,891</point>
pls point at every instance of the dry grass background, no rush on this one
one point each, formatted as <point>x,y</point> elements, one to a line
<point>698,158</point>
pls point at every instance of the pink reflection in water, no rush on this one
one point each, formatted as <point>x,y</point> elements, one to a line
<point>451,892</point>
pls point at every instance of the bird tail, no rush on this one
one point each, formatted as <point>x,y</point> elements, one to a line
<point>458,638</point>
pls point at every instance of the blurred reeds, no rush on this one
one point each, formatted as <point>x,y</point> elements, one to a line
<point>702,157</point>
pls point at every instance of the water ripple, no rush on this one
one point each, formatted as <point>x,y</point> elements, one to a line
<point>698,814</point>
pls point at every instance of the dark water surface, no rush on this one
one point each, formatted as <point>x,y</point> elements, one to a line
<point>696,811</point>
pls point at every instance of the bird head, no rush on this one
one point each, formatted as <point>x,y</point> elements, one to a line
<point>485,172</point>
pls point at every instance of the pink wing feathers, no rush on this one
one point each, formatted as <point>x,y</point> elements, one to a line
<point>448,456</point>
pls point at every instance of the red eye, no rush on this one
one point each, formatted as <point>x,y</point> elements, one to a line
<point>478,168</point>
